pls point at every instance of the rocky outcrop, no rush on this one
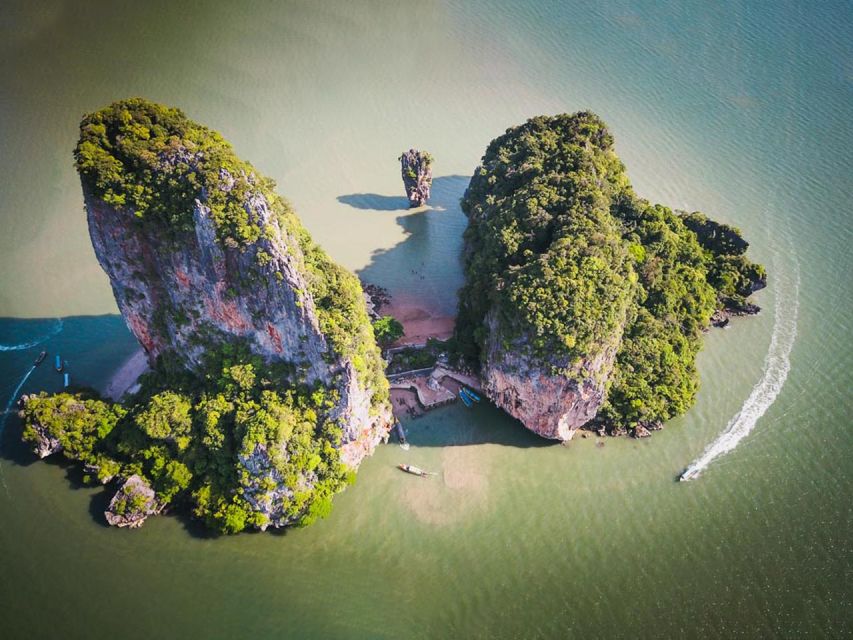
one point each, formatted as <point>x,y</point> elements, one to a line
<point>266,490</point>
<point>722,317</point>
<point>132,504</point>
<point>641,431</point>
<point>43,442</point>
<point>181,292</point>
<point>416,169</point>
<point>213,273</point>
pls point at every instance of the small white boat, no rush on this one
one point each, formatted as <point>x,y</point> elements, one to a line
<point>689,474</point>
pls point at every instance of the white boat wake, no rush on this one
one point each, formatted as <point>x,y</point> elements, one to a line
<point>777,364</point>
<point>8,410</point>
<point>14,397</point>
<point>29,345</point>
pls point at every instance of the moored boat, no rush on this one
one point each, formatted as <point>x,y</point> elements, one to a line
<point>471,394</point>
<point>416,471</point>
<point>58,363</point>
<point>40,358</point>
<point>465,399</point>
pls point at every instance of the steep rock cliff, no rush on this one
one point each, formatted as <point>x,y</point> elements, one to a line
<point>178,296</point>
<point>550,405</point>
<point>268,387</point>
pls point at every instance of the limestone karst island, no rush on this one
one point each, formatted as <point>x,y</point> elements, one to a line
<point>584,307</point>
<point>426,320</point>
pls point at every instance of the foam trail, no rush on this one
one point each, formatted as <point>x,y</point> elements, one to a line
<point>14,396</point>
<point>777,364</point>
<point>29,345</point>
<point>8,410</point>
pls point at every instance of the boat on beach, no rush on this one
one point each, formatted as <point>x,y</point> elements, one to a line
<point>40,358</point>
<point>416,471</point>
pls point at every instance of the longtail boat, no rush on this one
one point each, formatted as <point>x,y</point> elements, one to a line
<point>416,471</point>
<point>473,396</point>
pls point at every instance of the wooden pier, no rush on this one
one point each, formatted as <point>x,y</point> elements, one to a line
<point>427,385</point>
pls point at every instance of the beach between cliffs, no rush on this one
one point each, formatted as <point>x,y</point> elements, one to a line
<point>419,324</point>
<point>126,376</point>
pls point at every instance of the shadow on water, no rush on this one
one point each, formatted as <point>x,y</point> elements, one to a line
<point>375,202</point>
<point>456,426</point>
<point>90,347</point>
<point>445,194</point>
<point>425,268</point>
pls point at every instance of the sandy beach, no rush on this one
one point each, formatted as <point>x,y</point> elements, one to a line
<point>418,323</point>
<point>126,375</point>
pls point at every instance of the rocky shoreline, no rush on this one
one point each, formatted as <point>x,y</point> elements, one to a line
<point>722,317</point>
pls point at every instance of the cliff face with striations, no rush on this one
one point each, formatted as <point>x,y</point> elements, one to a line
<point>268,387</point>
<point>584,303</point>
<point>176,296</point>
<point>552,406</point>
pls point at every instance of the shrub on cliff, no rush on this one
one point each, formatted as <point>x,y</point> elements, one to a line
<point>198,441</point>
<point>387,330</point>
<point>76,423</point>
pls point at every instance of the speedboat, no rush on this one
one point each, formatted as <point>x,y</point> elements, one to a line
<point>689,474</point>
<point>40,359</point>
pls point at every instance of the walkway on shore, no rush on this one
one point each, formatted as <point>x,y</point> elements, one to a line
<point>429,390</point>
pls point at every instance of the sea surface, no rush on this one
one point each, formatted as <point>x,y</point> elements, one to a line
<point>740,109</point>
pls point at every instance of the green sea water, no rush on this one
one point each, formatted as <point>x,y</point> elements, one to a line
<point>740,109</point>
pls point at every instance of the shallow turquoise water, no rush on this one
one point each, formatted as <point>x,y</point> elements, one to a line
<point>739,110</point>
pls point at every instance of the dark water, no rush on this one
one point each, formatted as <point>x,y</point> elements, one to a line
<point>739,109</point>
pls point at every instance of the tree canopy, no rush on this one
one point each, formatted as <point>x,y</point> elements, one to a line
<point>565,259</point>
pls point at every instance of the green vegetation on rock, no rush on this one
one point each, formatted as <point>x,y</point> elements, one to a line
<point>563,261</point>
<point>202,442</point>
<point>243,438</point>
<point>387,330</point>
<point>154,161</point>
